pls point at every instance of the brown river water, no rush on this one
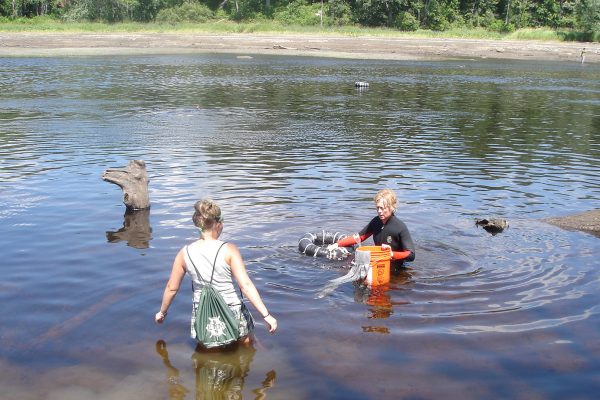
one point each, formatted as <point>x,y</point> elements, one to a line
<point>289,146</point>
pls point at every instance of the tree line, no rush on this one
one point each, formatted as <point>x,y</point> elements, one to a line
<point>405,15</point>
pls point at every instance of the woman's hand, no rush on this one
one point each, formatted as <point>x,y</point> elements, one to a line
<point>272,322</point>
<point>159,318</point>
<point>387,247</point>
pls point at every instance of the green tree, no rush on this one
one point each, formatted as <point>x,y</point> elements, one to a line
<point>441,14</point>
<point>545,13</point>
<point>26,8</point>
<point>588,18</point>
<point>479,12</point>
<point>377,12</point>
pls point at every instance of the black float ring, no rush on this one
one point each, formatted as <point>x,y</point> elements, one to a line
<point>315,245</point>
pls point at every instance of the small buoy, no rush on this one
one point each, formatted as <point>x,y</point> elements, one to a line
<point>361,84</point>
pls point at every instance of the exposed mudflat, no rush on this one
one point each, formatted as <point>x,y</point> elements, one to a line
<point>588,221</point>
<point>51,44</point>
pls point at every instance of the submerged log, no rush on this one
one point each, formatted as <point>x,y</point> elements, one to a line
<point>133,179</point>
<point>492,225</point>
<point>588,221</point>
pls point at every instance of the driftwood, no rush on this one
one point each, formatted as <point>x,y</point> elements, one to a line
<point>492,225</point>
<point>588,221</point>
<point>136,230</point>
<point>133,179</point>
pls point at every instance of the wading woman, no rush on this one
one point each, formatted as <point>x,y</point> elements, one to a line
<point>199,256</point>
<point>387,231</point>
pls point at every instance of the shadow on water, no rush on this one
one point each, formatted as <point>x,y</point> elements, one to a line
<point>218,374</point>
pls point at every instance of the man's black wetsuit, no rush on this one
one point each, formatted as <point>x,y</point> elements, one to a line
<point>394,233</point>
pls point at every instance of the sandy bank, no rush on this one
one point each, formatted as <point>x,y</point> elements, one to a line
<point>55,44</point>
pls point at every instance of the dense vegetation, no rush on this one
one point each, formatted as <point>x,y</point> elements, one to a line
<point>580,17</point>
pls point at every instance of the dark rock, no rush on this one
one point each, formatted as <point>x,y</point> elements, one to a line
<point>492,225</point>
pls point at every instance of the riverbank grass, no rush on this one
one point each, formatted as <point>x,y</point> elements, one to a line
<point>49,25</point>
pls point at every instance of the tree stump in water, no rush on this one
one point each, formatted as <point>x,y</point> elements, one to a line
<point>133,179</point>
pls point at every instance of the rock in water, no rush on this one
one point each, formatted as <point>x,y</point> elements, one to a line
<point>492,225</point>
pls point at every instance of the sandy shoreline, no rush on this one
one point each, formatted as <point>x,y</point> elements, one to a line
<point>25,44</point>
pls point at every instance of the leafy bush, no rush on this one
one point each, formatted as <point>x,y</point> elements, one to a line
<point>242,10</point>
<point>298,12</point>
<point>187,12</point>
<point>407,22</point>
<point>371,12</point>
<point>441,15</point>
<point>588,17</point>
<point>339,12</point>
<point>502,27</point>
<point>76,13</point>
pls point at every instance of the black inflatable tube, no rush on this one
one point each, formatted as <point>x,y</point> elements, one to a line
<point>315,245</point>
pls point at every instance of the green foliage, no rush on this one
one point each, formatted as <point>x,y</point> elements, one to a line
<point>588,18</point>
<point>299,12</point>
<point>5,10</point>
<point>501,26</point>
<point>405,21</point>
<point>241,10</point>
<point>147,10</point>
<point>102,10</point>
<point>79,11</point>
<point>338,12</point>
<point>546,13</point>
<point>574,19</point>
<point>517,12</point>
<point>441,15</point>
<point>186,12</point>
<point>377,12</point>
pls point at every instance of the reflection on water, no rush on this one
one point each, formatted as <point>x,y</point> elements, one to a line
<point>288,146</point>
<point>176,390</point>
<point>136,230</point>
<point>218,374</point>
<point>377,297</point>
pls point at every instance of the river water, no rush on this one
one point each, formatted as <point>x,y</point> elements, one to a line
<point>289,146</point>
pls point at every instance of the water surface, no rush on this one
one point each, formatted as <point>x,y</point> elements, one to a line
<point>289,146</point>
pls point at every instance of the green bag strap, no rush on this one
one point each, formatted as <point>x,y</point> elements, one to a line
<point>214,263</point>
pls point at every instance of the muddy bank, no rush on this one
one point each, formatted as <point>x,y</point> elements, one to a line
<point>52,44</point>
<point>588,221</point>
